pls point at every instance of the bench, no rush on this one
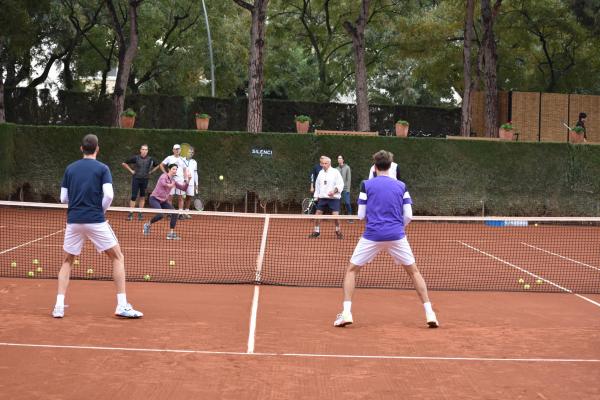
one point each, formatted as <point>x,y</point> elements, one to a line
<point>347,133</point>
<point>516,138</point>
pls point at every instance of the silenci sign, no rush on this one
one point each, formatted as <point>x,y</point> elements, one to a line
<point>261,152</point>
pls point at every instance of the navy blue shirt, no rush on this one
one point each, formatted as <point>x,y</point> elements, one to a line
<point>83,180</point>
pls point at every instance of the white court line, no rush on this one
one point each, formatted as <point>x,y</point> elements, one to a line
<point>259,263</point>
<point>529,273</point>
<point>561,256</point>
<point>307,355</point>
<point>30,242</point>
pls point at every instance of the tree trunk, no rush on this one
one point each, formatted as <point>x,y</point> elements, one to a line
<point>357,33</point>
<point>490,62</point>
<point>465,123</point>
<point>127,52</point>
<point>67,72</point>
<point>255,70</point>
<point>2,111</point>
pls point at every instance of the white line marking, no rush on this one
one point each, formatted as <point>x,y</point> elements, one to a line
<point>307,355</point>
<point>529,273</point>
<point>253,314</point>
<point>261,253</point>
<point>561,256</point>
<point>30,242</point>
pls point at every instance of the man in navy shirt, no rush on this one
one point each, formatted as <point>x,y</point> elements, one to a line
<point>87,189</point>
<point>386,204</point>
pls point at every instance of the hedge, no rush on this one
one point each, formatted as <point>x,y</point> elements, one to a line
<point>444,176</point>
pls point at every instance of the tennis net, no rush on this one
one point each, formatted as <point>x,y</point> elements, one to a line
<point>453,253</point>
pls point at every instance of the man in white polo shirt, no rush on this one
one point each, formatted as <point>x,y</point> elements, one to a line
<point>328,191</point>
<point>181,172</point>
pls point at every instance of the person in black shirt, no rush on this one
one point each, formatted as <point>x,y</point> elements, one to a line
<point>581,123</point>
<point>144,165</point>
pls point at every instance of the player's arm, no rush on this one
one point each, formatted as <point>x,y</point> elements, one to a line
<point>163,165</point>
<point>107,189</point>
<point>317,187</point>
<point>126,163</point>
<point>64,192</point>
<point>362,201</point>
<point>154,162</point>
<point>407,212</point>
<point>339,186</point>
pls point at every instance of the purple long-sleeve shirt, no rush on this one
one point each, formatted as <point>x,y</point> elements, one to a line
<point>164,185</point>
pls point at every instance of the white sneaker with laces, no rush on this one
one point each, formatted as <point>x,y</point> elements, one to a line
<point>343,319</point>
<point>127,312</point>
<point>432,320</point>
<point>58,312</point>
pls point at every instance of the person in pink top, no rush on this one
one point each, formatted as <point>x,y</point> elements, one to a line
<point>160,199</point>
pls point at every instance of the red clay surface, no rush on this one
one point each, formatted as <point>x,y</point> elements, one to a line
<point>215,318</point>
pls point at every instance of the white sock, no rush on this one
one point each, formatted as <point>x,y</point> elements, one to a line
<point>317,229</point>
<point>428,308</point>
<point>337,228</point>
<point>60,300</point>
<point>122,299</point>
<point>347,307</point>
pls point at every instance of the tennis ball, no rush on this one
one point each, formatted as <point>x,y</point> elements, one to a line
<point>172,263</point>
<point>526,286</point>
<point>36,261</point>
<point>535,224</point>
<point>13,264</point>
<point>76,262</point>
<point>39,269</point>
<point>221,177</point>
<point>539,281</point>
<point>90,271</point>
<point>521,280</point>
<point>30,274</point>
<point>147,277</point>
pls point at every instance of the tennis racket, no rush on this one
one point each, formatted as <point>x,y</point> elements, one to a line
<point>309,206</point>
<point>567,126</point>
<point>198,204</point>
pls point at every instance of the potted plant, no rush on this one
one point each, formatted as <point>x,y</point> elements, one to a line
<point>506,131</point>
<point>127,119</point>
<point>576,135</point>
<point>202,121</point>
<point>302,123</point>
<point>402,128</point>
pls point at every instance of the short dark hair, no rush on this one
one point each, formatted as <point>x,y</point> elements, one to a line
<point>171,166</point>
<point>341,156</point>
<point>582,115</point>
<point>89,144</point>
<point>383,160</point>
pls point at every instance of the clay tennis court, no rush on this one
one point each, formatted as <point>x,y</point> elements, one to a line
<point>259,341</point>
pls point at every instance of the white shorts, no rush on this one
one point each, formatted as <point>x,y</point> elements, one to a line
<point>100,234</point>
<point>366,250</point>
<point>191,190</point>
<point>175,191</point>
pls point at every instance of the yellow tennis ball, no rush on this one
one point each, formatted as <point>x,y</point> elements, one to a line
<point>221,177</point>
<point>13,264</point>
<point>76,262</point>
<point>535,224</point>
<point>30,274</point>
<point>172,262</point>
<point>526,286</point>
<point>147,277</point>
<point>90,271</point>
<point>36,261</point>
<point>521,280</point>
<point>539,281</point>
<point>39,269</point>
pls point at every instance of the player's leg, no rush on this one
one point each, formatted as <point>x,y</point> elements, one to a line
<point>142,196</point>
<point>173,222</point>
<point>134,194</point>
<point>364,252</point>
<point>402,253</point>
<point>189,196</point>
<point>317,229</point>
<point>154,203</point>
<point>73,242</point>
<point>334,206</point>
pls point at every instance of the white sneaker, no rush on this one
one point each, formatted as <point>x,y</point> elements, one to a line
<point>127,312</point>
<point>343,319</point>
<point>432,320</point>
<point>58,312</point>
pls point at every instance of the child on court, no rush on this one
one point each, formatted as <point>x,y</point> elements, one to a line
<point>386,204</point>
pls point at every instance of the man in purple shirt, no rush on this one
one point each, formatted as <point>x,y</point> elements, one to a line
<point>386,204</point>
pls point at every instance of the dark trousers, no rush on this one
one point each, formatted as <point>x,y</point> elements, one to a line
<point>346,201</point>
<point>155,203</point>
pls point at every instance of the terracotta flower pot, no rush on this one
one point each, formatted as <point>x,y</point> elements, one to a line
<point>302,127</point>
<point>506,134</point>
<point>127,122</point>
<point>401,130</point>
<point>575,137</point>
<point>202,123</point>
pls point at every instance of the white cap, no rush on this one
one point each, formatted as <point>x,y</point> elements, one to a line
<point>176,146</point>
